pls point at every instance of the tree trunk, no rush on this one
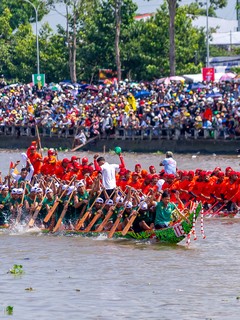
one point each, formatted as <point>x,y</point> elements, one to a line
<point>172,54</point>
<point>117,37</point>
<point>74,52</point>
<point>72,48</point>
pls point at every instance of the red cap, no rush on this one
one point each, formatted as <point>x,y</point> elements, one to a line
<point>155,175</point>
<point>74,158</point>
<point>76,165</point>
<point>202,173</point>
<point>151,167</point>
<point>220,174</point>
<point>134,174</point>
<point>122,172</point>
<point>32,148</point>
<point>148,176</point>
<point>191,173</point>
<point>85,160</point>
<point>66,160</point>
<point>138,165</point>
<point>51,152</point>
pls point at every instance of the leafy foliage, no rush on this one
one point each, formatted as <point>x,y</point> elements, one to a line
<point>9,310</point>
<point>17,269</point>
<point>90,31</point>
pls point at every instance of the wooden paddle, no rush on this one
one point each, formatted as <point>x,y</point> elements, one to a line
<point>114,227</point>
<point>92,222</point>
<point>85,216</point>
<point>83,144</point>
<point>105,220</point>
<point>130,222</point>
<point>19,209</point>
<point>39,140</point>
<point>56,203</point>
<point>36,212</point>
<point>59,222</point>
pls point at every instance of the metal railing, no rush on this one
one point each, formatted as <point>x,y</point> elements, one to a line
<point>120,133</point>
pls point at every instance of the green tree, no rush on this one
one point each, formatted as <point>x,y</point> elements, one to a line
<point>98,47</point>
<point>172,5</point>
<point>146,55</point>
<point>22,12</point>
<point>77,11</point>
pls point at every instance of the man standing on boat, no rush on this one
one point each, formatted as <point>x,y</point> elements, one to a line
<point>169,164</point>
<point>108,172</point>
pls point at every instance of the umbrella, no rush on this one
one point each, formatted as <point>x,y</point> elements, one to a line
<point>176,78</point>
<point>164,81</point>
<point>68,85</point>
<point>65,82</point>
<point>91,87</point>
<point>196,86</point>
<point>214,95</point>
<point>164,105</point>
<point>227,77</point>
<point>55,87</point>
<point>142,94</point>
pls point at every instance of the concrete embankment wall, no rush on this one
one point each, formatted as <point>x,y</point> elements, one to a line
<point>177,146</point>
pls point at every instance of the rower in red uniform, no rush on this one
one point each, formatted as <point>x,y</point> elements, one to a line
<point>49,163</point>
<point>33,144</point>
<point>135,181</point>
<point>152,170</point>
<point>141,172</point>
<point>61,168</point>
<point>35,159</point>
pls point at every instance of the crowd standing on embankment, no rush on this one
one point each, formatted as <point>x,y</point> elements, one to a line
<point>81,194</point>
<point>153,109</point>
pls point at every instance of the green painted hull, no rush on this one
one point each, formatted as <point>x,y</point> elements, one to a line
<point>167,235</point>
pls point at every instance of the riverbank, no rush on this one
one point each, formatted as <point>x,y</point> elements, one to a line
<point>204,146</point>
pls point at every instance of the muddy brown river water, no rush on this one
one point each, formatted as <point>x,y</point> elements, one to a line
<point>71,277</point>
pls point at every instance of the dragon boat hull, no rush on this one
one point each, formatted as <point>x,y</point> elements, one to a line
<point>172,235</point>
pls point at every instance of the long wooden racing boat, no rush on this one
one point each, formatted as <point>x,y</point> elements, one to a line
<point>172,235</point>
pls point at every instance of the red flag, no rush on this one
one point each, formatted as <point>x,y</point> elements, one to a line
<point>11,165</point>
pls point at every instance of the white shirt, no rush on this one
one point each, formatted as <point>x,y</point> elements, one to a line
<point>109,175</point>
<point>169,165</point>
<point>18,176</point>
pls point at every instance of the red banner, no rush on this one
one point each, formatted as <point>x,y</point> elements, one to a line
<point>208,74</point>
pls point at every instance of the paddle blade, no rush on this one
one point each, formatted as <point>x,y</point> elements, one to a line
<point>50,212</point>
<point>128,225</point>
<point>92,222</point>
<point>114,227</point>
<point>105,221</point>
<point>81,221</point>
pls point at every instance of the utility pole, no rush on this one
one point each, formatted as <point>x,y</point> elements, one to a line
<point>207,35</point>
<point>37,42</point>
<point>238,14</point>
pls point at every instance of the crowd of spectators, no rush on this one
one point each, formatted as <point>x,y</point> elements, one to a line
<point>103,108</point>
